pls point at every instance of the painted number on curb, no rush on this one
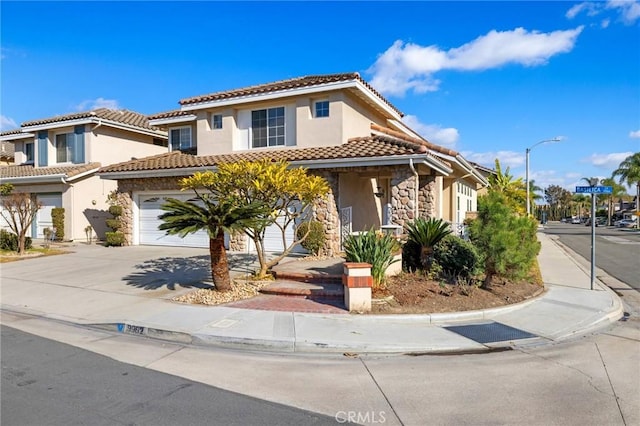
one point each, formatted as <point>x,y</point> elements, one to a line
<point>130,329</point>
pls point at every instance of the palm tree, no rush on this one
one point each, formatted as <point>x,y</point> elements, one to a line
<point>425,234</point>
<point>184,217</point>
<point>617,192</point>
<point>513,189</point>
<point>629,172</point>
<point>534,192</point>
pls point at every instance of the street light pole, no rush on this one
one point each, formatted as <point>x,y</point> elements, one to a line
<point>528,151</point>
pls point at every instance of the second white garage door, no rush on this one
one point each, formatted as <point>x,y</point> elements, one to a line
<point>148,224</point>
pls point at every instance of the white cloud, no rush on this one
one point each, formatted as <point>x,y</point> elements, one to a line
<point>634,135</point>
<point>97,103</point>
<point>507,158</point>
<point>7,123</point>
<point>628,11</point>
<point>607,161</point>
<point>445,136</point>
<point>408,66</point>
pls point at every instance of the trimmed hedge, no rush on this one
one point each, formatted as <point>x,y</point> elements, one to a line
<point>57,217</point>
<point>9,241</point>
<point>457,257</point>
<point>316,238</point>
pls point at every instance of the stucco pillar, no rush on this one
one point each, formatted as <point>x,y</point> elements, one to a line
<point>357,281</point>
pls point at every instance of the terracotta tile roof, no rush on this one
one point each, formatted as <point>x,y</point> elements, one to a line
<point>293,83</point>
<point>24,170</point>
<point>11,132</point>
<point>6,150</point>
<point>120,116</point>
<point>362,147</point>
<point>170,114</point>
<point>420,141</point>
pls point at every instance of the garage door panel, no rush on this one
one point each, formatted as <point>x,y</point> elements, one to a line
<point>43,217</point>
<point>148,223</point>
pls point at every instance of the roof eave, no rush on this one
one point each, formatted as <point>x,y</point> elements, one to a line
<point>95,120</point>
<point>17,136</point>
<point>172,120</point>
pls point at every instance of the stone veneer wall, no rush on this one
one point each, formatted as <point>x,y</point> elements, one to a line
<point>403,195</point>
<point>124,197</point>
<point>427,196</point>
<point>326,212</point>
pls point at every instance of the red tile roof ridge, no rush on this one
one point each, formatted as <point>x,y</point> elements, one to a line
<point>28,170</point>
<point>124,116</point>
<point>421,141</point>
<point>304,81</point>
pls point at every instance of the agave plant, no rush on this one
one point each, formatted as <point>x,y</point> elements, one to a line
<point>374,248</point>
<point>426,233</point>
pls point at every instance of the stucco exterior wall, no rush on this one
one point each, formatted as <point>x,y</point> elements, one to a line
<point>358,192</point>
<point>85,203</point>
<point>107,145</point>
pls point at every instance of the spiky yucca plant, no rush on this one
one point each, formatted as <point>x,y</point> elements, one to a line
<point>374,248</point>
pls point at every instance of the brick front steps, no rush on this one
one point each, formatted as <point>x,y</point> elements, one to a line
<point>307,290</point>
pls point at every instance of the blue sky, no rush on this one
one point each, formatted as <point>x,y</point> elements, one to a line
<point>488,79</point>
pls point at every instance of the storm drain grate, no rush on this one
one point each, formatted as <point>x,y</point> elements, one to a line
<point>490,332</point>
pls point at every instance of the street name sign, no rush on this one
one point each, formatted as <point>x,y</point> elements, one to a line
<point>594,189</point>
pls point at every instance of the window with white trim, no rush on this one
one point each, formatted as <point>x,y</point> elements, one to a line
<point>180,138</point>
<point>63,147</point>
<point>216,121</point>
<point>28,151</point>
<point>267,127</point>
<point>321,109</point>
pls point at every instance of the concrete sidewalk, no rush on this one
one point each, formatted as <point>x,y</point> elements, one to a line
<point>129,290</point>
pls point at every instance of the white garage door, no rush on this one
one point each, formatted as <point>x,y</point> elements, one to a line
<point>149,222</point>
<point>43,218</point>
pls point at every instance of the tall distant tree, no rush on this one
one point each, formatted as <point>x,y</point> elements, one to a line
<point>534,193</point>
<point>558,197</point>
<point>513,189</point>
<point>617,192</point>
<point>629,172</point>
<point>19,210</point>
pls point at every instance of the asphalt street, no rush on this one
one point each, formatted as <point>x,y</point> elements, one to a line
<point>617,250</point>
<point>50,383</point>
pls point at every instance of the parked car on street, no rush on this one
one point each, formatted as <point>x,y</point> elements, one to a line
<point>627,223</point>
<point>575,221</point>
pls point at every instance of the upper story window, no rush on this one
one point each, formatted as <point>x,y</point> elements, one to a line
<point>180,139</point>
<point>267,127</point>
<point>216,121</point>
<point>28,152</point>
<point>63,148</point>
<point>321,109</point>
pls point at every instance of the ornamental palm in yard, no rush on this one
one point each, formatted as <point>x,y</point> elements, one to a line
<point>216,217</point>
<point>425,234</point>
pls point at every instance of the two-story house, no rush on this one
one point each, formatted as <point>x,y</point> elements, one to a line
<point>56,160</point>
<point>381,173</point>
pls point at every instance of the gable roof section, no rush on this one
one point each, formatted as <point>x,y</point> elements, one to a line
<point>371,149</point>
<point>28,173</point>
<point>14,135</point>
<point>310,82</point>
<point>125,119</point>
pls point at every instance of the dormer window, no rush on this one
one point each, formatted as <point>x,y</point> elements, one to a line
<point>28,152</point>
<point>180,139</point>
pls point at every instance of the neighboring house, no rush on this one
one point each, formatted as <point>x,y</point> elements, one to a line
<point>56,160</point>
<point>381,173</point>
<point>6,152</point>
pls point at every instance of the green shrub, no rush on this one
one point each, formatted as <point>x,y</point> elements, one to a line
<point>506,241</point>
<point>57,217</point>
<point>115,211</point>
<point>457,257</point>
<point>373,248</point>
<point>423,235</point>
<point>9,241</point>
<point>316,238</point>
<point>114,224</point>
<point>114,239</point>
